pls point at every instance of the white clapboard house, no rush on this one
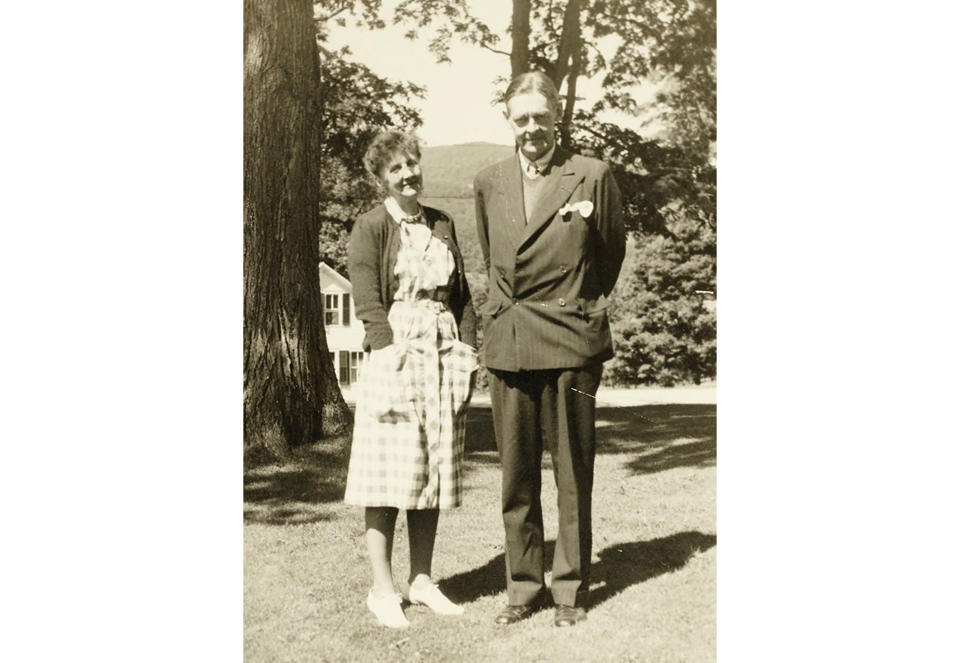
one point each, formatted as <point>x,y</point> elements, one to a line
<point>344,331</point>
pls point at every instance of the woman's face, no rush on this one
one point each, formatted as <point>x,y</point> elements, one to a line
<point>401,176</point>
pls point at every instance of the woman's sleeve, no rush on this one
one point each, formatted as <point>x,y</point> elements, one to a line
<point>363,267</point>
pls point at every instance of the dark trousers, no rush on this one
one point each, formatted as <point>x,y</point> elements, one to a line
<point>532,409</point>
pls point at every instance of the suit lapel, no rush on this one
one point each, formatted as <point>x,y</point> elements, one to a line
<point>557,188</point>
<point>511,189</point>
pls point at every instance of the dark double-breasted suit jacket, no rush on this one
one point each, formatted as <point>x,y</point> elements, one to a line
<point>549,276</point>
<point>546,335</point>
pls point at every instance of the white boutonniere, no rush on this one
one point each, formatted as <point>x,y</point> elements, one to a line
<point>584,207</point>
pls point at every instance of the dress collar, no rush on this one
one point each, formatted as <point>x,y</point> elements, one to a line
<point>393,208</point>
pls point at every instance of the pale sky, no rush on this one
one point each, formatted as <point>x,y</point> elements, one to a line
<point>456,107</point>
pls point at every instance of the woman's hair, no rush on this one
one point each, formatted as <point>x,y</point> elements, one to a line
<point>384,146</point>
<point>534,81</point>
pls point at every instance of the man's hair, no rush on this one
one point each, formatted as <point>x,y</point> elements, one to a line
<point>534,81</point>
<point>384,146</point>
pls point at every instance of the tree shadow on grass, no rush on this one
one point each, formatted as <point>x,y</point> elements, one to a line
<point>294,490</point>
<point>621,565</point>
<point>652,438</point>
<point>659,437</point>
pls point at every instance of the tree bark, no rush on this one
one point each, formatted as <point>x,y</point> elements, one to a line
<point>520,34</point>
<point>568,65</point>
<point>571,98</point>
<point>290,392</point>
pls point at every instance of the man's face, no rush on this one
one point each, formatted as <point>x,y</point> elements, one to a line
<point>532,120</point>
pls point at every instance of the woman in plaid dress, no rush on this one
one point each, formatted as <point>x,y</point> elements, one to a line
<point>411,292</point>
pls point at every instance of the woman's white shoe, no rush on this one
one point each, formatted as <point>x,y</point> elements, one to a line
<point>429,594</point>
<point>386,608</point>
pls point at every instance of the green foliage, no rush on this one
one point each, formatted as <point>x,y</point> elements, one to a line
<point>663,315</point>
<point>454,17</point>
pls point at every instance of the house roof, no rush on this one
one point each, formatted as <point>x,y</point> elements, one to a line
<point>328,276</point>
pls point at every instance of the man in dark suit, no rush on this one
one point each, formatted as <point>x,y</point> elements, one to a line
<point>551,229</point>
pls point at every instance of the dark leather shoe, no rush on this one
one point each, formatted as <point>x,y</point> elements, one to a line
<point>513,614</point>
<point>568,615</point>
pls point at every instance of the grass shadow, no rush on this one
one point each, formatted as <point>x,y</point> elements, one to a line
<point>293,490</point>
<point>652,438</point>
<point>487,580</point>
<point>660,437</point>
<point>622,565</point>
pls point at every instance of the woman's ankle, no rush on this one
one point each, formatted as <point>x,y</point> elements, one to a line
<point>383,590</point>
<point>421,579</point>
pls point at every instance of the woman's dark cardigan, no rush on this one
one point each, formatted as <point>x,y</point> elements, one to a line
<point>372,256</point>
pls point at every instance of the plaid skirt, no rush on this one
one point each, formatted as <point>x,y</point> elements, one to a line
<point>410,421</point>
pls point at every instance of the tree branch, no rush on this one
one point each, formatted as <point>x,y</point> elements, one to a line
<point>640,25</point>
<point>324,19</point>
<point>493,50</point>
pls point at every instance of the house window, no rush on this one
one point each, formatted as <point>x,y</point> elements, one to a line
<point>346,309</point>
<point>356,359</point>
<point>331,309</point>
<point>350,363</point>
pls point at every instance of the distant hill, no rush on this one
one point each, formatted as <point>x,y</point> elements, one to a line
<point>448,170</point>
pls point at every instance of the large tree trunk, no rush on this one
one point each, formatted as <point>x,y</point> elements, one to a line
<point>290,393</point>
<point>520,34</point>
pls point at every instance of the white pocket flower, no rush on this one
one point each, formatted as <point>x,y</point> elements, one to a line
<point>584,207</point>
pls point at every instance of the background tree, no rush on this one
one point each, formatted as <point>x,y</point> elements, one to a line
<point>291,395</point>
<point>665,326</point>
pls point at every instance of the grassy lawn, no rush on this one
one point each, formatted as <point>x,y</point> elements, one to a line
<point>654,575</point>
